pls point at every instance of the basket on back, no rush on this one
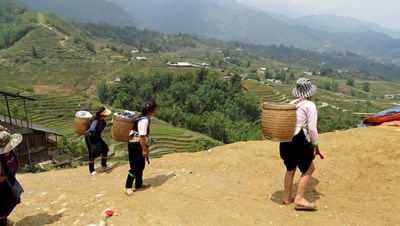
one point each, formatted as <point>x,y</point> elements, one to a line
<point>278,121</point>
<point>81,122</point>
<point>122,123</point>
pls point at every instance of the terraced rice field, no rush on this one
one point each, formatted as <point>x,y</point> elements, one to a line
<point>342,101</point>
<point>263,92</point>
<point>56,112</point>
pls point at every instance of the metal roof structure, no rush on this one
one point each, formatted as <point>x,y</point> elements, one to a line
<point>20,126</point>
<point>6,94</point>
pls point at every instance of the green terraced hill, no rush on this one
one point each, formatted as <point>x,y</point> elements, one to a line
<point>263,92</point>
<point>57,111</point>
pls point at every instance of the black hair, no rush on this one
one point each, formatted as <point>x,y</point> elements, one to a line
<point>149,107</point>
<point>98,112</point>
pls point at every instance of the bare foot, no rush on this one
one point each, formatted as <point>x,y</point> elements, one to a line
<point>288,201</point>
<point>303,202</point>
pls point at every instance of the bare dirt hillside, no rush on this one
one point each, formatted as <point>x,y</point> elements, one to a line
<point>237,184</point>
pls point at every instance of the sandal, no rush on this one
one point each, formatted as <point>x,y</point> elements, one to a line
<point>129,192</point>
<point>310,207</point>
<point>107,167</point>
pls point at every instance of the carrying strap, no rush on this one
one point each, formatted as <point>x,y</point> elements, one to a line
<point>298,101</point>
<point>305,125</point>
<point>135,125</point>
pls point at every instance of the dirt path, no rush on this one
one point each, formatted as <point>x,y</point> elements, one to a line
<point>42,22</point>
<point>236,184</point>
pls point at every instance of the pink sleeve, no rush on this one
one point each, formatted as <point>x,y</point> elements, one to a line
<point>312,117</point>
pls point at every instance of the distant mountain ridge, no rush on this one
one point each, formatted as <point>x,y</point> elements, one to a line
<point>229,20</point>
<point>95,11</point>
<point>333,23</point>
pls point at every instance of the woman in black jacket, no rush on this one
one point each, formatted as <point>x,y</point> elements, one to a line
<point>8,168</point>
<point>95,143</point>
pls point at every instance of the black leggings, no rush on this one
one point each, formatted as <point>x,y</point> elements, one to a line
<point>104,154</point>
<point>136,163</point>
<point>4,212</point>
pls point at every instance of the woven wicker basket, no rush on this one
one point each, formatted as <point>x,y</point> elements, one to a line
<point>81,125</point>
<point>121,127</point>
<point>278,121</point>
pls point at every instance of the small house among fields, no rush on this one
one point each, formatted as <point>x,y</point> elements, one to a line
<point>38,142</point>
<point>181,64</point>
<point>138,58</point>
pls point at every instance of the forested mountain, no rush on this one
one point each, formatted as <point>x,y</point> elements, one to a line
<point>42,51</point>
<point>230,21</point>
<point>157,42</point>
<point>96,11</point>
<point>227,20</point>
<point>333,23</point>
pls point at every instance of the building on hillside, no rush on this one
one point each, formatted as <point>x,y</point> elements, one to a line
<point>204,64</point>
<point>181,64</point>
<point>138,58</point>
<point>389,96</point>
<point>261,70</point>
<point>38,142</point>
<point>343,70</point>
<point>274,81</point>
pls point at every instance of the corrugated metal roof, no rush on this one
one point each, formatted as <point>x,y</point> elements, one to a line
<point>21,126</point>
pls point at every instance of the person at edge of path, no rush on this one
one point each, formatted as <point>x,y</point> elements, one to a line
<point>94,136</point>
<point>300,152</point>
<point>8,169</point>
<point>138,148</point>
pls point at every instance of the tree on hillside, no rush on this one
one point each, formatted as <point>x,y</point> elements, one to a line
<point>202,74</point>
<point>290,78</point>
<point>366,86</point>
<point>268,74</point>
<point>34,53</point>
<point>216,126</point>
<point>199,101</point>
<point>350,82</point>
<point>331,85</point>
<point>253,76</point>
<point>280,75</point>
<point>102,91</point>
<point>179,91</point>
<point>248,64</point>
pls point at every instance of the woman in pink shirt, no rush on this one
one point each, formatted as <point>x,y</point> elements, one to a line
<point>300,151</point>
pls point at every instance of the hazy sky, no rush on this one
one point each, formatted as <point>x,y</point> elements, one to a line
<point>383,12</point>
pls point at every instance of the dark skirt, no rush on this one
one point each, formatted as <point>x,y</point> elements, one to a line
<point>297,153</point>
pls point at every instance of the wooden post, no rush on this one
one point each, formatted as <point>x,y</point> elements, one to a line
<point>8,109</point>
